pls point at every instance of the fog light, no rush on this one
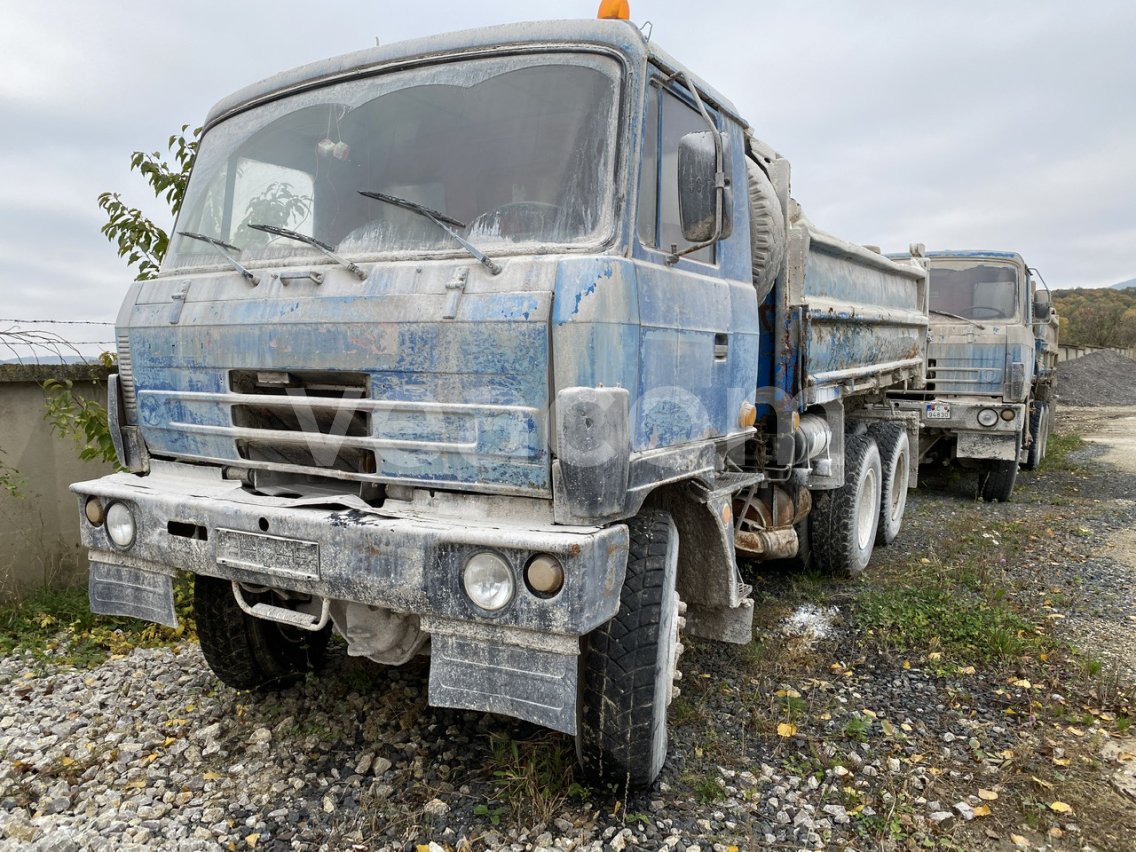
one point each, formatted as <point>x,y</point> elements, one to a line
<point>120,524</point>
<point>544,576</point>
<point>93,509</point>
<point>987,417</point>
<point>1007,414</point>
<point>488,581</point>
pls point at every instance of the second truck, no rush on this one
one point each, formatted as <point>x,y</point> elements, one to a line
<point>991,366</point>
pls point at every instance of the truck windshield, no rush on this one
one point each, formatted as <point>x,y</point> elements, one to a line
<point>975,290</point>
<point>519,150</point>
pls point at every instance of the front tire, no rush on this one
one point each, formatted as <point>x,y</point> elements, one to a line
<point>246,652</point>
<point>1039,425</point>
<point>895,458</point>
<point>997,480</point>
<point>843,522</point>
<point>628,665</point>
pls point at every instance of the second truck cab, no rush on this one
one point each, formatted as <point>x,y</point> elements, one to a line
<point>990,366</point>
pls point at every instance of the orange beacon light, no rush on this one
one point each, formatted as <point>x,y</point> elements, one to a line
<point>617,9</point>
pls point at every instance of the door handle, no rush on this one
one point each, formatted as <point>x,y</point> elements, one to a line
<point>721,346</point>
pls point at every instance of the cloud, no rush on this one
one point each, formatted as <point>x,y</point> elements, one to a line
<point>1005,125</point>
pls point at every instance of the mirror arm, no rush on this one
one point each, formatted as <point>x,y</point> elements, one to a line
<point>719,171</point>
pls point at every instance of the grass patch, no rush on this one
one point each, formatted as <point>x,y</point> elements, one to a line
<point>960,624</point>
<point>534,777</point>
<point>1060,447</point>
<point>705,789</point>
<point>58,625</point>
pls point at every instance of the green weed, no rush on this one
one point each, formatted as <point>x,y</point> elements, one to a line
<point>58,625</point>
<point>533,777</point>
<point>493,815</point>
<point>964,625</point>
<point>857,728</point>
<point>707,790</point>
<point>1058,450</point>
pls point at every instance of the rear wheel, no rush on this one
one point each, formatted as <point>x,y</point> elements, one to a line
<point>628,665</point>
<point>246,652</point>
<point>895,458</point>
<point>843,523</point>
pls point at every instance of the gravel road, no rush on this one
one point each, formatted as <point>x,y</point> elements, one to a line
<point>148,751</point>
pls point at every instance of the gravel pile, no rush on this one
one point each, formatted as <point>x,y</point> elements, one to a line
<point>1100,378</point>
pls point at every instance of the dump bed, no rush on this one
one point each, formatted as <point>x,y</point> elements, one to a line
<point>854,321</point>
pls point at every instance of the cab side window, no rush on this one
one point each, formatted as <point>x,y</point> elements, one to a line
<point>668,118</point>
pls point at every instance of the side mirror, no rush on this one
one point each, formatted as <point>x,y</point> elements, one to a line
<point>698,187</point>
<point>1042,305</point>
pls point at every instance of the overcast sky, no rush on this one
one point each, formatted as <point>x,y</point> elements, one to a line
<point>1008,124</point>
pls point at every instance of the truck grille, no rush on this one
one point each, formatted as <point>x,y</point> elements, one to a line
<point>305,417</point>
<point>961,379</point>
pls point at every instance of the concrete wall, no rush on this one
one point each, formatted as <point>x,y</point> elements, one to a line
<point>1068,352</point>
<point>39,529</point>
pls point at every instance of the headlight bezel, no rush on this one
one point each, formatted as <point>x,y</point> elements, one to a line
<point>487,567</point>
<point>110,523</point>
<point>987,417</point>
<point>551,584</point>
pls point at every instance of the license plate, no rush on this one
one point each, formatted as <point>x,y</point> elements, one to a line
<point>270,554</point>
<point>938,411</point>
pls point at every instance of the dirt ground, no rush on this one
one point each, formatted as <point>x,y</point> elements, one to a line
<point>1112,427</point>
<point>1091,599</point>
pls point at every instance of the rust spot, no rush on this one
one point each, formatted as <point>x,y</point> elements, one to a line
<point>749,542</point>
<point>573,550</point>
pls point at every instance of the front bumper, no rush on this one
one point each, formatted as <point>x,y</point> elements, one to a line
<point>520,661</point>
<point>972,440</point>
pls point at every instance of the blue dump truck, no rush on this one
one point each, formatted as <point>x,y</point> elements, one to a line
<point>503,346</point>
<point>991,366</point>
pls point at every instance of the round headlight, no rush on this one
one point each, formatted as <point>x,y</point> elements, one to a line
<point>544,576</point>
<point>488,580</point>
<point>120,524</point>
<point>987,417</point>
<point>1007,414</point>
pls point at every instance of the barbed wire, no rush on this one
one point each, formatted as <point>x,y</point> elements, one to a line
<point>45,343</point>
<point>71,342</point>
<point>55,322</point>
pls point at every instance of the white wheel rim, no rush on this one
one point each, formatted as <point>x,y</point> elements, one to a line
<point>899,487</point>
<point>868,509</point>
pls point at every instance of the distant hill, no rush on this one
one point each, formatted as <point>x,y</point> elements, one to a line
<point>1105,316</point>
<point>1124,285</point>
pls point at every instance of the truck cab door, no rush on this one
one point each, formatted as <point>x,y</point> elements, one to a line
<point>689,387</point>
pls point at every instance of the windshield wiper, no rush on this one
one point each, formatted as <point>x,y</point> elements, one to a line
<point>221,246</point>
<point>311,241</point>
<point>977,325</point>
<point>439,219</point>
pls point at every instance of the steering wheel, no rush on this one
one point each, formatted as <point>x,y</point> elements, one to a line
<point>992,312</point>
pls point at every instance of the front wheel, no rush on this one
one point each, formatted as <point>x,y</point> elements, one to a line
<point>628,665</point>
<point>843,523</point>
<point>1039,425</point>
<point>997,480</point>
<point>246,652</point>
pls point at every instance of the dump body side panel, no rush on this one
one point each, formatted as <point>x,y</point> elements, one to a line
<point>862,325</point>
